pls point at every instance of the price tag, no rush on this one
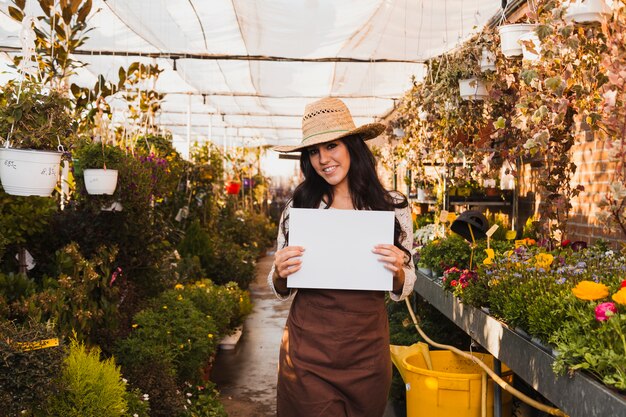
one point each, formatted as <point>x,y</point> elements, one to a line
<point>40,344</point>
<point>492,230</point>
<point>443,217</point>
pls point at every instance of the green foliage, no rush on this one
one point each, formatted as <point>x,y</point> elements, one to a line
<point>90,387</point>
<point>158,381</point>
<point>171,331</point>
<point>97,155</point>
<point>27,378</point>
<point>137,404</point>
<point>227,305</point>
<point>204,401</point>
<point>221,259</point>
<point>36,118</point>
<point>442,254</point>
<point>21,218</point>
<point>80,296</point>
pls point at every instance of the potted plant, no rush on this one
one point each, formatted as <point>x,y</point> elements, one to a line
<point>473,88</point>
<point>35,124</point>
<point>587,11</point>
<point>509,38</point>
<point>97,163</point>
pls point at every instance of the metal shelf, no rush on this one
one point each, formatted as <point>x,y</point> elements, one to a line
<point>578,396</point>
<point>480,203</point>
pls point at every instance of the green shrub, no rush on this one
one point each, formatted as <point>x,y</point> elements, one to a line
<point>137,404</point>
<point>27,378</point>
<point>204,401</point>
<point>221,259</point>
<point>171,331</point>
<point>158,381</point>
<point>90,387</point>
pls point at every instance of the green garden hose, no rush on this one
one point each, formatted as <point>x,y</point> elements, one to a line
<point>501,382</point>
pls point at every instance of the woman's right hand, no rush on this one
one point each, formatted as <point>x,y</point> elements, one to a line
<point>287,261</point>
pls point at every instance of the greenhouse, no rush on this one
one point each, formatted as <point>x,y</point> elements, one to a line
<point>374,208</point>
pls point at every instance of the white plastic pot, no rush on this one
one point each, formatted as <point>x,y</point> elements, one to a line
<point>398,132</point>
<point>487,61</point>
<point>529,55</point>
<point>587,11</point>
<point>27,172</point>
<point>100,181</point>
<point>473,88</point>
<point>509,37</point>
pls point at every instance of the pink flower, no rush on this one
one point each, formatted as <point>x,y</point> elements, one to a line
<point>604,311</point>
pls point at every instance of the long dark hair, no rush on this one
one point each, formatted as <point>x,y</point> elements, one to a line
<point>365,188</point>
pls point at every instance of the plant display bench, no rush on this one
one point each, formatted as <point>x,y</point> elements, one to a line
<point>578,396</point>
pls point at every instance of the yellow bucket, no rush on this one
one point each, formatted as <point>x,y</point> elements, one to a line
<point>443,384</point>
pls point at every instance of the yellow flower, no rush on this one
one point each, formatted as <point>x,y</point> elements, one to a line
<point>201,285</point>
<point>589,290</point>
<point>490,256</point>
<point>210,335</point>
<point>180,297</point>
<point>134,326</point>
<point>620,296</point>
<point>164,307</point>
<point>543,260</point>
<point>179,286</point>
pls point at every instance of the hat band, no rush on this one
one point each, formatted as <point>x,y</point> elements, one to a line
<point>324,132</point>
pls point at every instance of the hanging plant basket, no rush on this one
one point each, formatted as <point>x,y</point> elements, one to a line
<point>27,172</point>
<point>531,47</point>
<point>588,11</point>
<point>100,181</point>
<point>473,88</point>
<point>233,187</point>
<point>509,38</point>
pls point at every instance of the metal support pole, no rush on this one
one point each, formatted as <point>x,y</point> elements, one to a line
<point>189,128</point>
<point>497,391</point>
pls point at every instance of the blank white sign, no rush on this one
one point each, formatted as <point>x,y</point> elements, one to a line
<point>338,248</point>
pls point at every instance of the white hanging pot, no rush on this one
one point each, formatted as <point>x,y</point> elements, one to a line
<point>527,53</point>
<point>587,11</point>
<point>509,36</point>
<point>487,61</point>
<point>473,88</point>
<point>27,172</point>
<point>421,194</point>
<point>100,181</point>
<point>398,132</point>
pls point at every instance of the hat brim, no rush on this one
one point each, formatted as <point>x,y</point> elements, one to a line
<point>365,132</point>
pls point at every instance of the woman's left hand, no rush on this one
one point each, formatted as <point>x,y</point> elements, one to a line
<point>392,257</point>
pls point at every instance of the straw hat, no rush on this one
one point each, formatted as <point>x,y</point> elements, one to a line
<point>329,119</point>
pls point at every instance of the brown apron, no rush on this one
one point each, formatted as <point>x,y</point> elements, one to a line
<point>334,357</point>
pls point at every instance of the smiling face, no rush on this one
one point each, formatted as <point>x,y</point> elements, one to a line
<point>331,161</point>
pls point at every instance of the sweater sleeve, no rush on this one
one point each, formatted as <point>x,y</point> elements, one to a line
<point>280,243</point>
<point>406,222</point>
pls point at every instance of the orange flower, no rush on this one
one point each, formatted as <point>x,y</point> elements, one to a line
<point>620,296</point>
<point>589,290</point>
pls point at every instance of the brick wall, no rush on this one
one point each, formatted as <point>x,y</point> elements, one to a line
<point>595,171</point>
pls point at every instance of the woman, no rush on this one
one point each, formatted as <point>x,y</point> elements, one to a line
<point>334,357</point>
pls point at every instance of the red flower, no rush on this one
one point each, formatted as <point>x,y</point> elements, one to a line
<point>604,311</point>
<point>623,285</point>
<point>565,243</point>
<point>454,283</point>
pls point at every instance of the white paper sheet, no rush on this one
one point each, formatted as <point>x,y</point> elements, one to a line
<point>338,248</point>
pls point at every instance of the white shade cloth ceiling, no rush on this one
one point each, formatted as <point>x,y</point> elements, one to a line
<point>250,101</point>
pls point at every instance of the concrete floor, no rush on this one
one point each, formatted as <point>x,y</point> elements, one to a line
<point>246,376</point>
